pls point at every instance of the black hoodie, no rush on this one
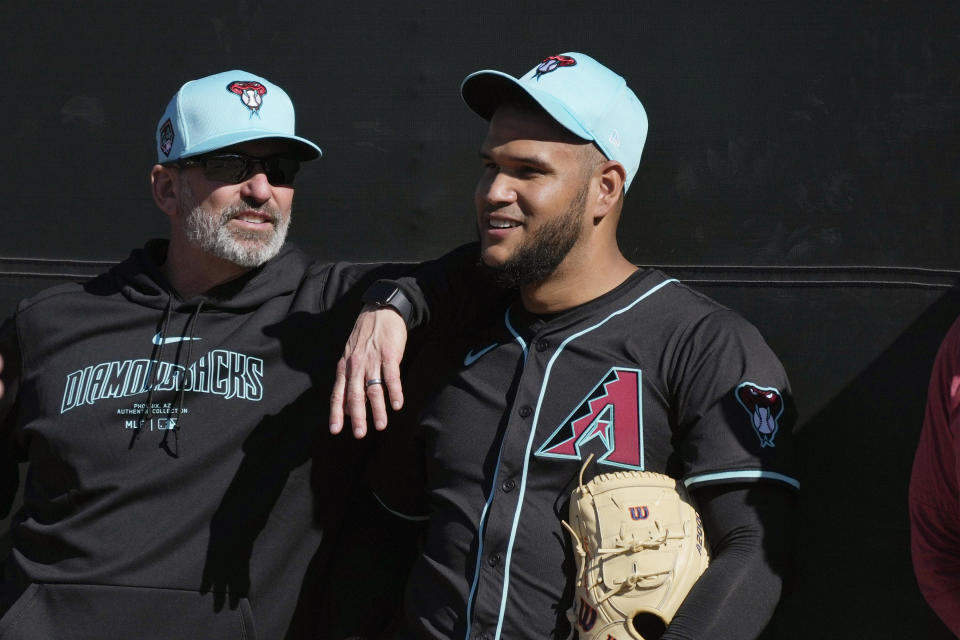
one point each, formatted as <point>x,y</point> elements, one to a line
<point>182,482</point>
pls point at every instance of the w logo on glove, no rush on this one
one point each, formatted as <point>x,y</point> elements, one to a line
<point>639,513</point>
<point>587,617</point>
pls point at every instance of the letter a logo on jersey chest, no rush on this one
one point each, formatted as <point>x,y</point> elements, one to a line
<point>611,412</point>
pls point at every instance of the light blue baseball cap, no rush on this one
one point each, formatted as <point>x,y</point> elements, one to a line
<point>582,95</point>
<point>226,109</point>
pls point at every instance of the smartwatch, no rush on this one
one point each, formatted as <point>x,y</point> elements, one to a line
<point>384,293</point>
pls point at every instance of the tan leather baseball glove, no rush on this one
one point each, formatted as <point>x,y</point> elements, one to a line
<point>640,548</point>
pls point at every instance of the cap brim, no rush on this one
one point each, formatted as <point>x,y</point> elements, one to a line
<point>484,91</point>
<point>301,148</point>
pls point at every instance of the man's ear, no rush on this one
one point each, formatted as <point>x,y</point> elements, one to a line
<point>165,188</point>
<point>612,177</point>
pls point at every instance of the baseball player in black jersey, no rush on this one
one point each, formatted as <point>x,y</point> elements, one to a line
<point>590,355</point>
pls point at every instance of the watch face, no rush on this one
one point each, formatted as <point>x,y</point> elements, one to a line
<point>381,293</point>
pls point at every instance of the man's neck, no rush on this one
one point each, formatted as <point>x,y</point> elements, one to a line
<point>192,271</point>
<point>575,283</point>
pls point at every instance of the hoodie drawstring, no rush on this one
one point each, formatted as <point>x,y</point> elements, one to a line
<point>181,387</point>
<point>155,359</point>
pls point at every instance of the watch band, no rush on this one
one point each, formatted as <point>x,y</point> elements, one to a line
<point>384,293</point>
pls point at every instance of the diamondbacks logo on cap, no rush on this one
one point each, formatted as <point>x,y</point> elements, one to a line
<point>553,63</point>
<point>614,138</point>
<point>250,92</point>
<point>166,137</point>
<point>765,406</point>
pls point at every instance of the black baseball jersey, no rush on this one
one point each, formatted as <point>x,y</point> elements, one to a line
<point>650,376</point>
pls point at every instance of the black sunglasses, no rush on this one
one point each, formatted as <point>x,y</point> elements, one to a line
<point>235,167</point>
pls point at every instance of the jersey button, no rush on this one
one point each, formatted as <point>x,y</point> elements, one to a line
<point>525,411</point>
<point>543,345</point>
<point>509,485</point>
<point>495,559</point>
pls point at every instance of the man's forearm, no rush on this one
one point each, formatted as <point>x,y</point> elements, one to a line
<point>748,529</point>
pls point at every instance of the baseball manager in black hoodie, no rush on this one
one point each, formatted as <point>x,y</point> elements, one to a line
<point>171,410</point>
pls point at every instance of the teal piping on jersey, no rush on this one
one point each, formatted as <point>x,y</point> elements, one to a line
<point>397,513</point>
<point>741,475</point>
<point>533,431</point>
<point>486,507</point>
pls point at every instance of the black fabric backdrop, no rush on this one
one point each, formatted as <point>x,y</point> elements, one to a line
<point>802,167</point>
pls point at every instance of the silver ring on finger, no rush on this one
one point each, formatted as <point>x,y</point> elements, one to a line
<point>373,381</point>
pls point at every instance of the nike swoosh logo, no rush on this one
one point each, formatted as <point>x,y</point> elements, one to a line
<point>473,357</point>
<point>159,339</point>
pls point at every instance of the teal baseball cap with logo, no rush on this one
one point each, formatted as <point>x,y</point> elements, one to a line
<point>582,95</point>
<point>226,109</point>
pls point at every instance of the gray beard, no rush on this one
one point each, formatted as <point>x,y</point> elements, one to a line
<point>211,234</point>
<point>538,257</point>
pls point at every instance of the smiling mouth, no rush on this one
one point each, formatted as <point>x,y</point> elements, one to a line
<point>254,218</point>
<point>502,224</point>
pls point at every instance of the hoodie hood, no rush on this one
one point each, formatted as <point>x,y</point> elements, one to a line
<point>141,280</point>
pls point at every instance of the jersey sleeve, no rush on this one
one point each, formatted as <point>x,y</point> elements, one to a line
<point>444,293</point>
<point>345,282</point>
<point>734,406</point>
<point>934,495</point>
<point>449,291</point>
